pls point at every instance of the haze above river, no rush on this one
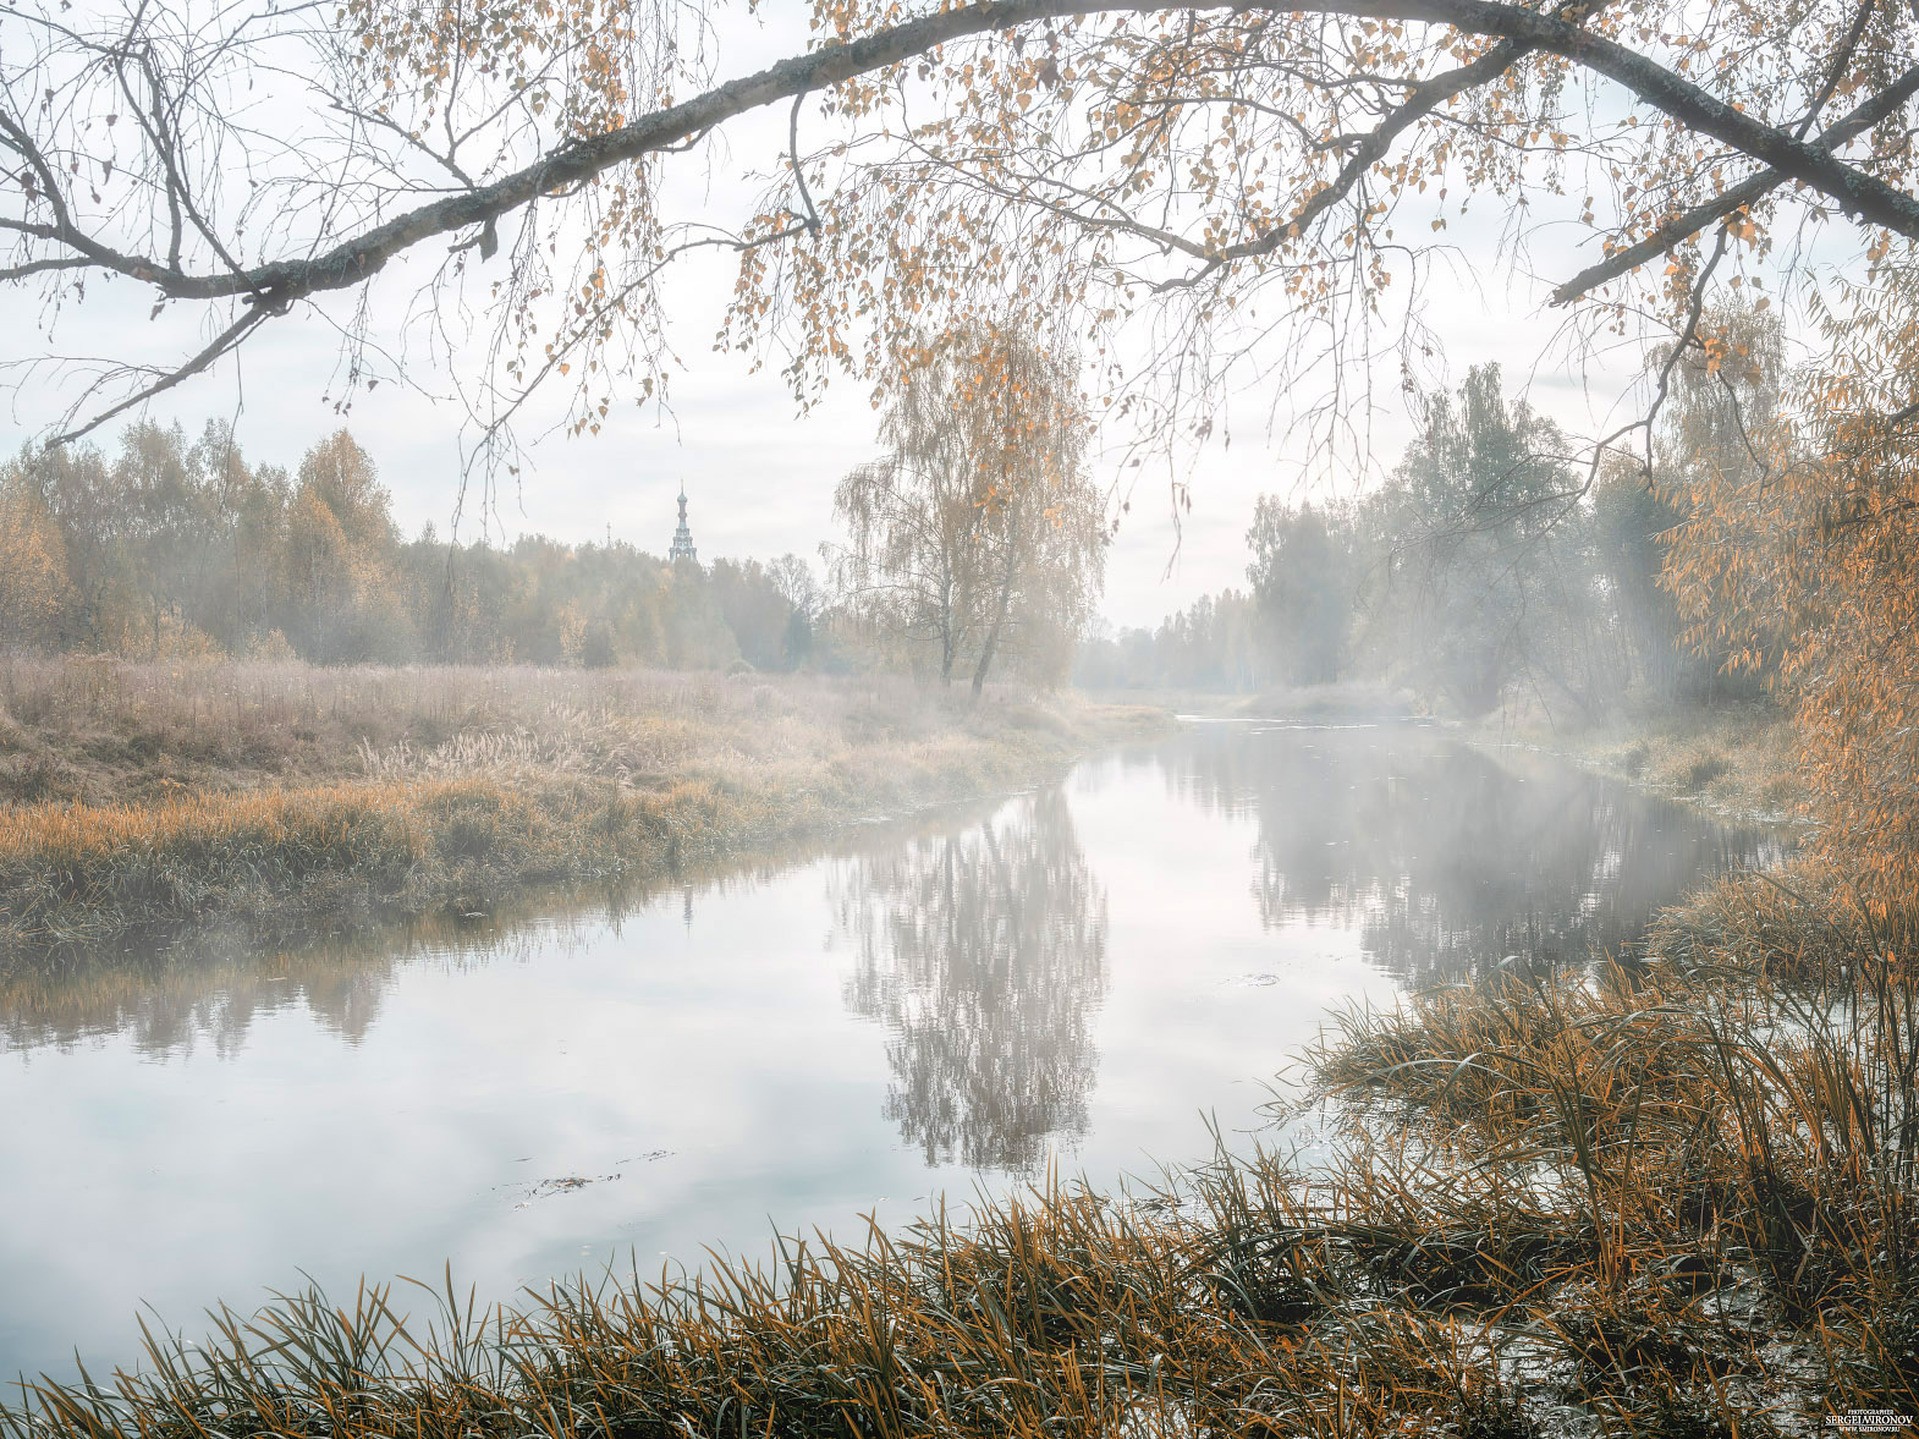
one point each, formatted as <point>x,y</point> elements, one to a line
<point>1073,976</point>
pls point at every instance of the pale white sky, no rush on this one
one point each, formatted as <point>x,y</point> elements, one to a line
<point>759,474</point>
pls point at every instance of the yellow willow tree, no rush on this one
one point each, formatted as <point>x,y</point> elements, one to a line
<point>1800,555</point>
<point>340,550</point>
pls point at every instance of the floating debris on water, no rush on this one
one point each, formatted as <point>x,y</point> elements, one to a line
<point>565,1184</point>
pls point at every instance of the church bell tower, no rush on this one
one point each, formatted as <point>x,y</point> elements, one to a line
<point>683,537</point>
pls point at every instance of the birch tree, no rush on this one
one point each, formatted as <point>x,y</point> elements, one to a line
<point>978,534</point>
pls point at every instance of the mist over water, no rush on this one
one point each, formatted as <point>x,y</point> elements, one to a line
<point>1071,977</point>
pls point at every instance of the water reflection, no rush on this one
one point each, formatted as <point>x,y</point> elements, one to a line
<point>1449,859</point>
<point>980,943</point>
<point>214,990</point>
<point>170,1003</point>
<point>172,1009</point>
<point>1092,966</point>
<point>983,954</point>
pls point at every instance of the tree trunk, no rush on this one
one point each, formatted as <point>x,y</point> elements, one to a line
<point>948,650</point>
<point>1007,576</point>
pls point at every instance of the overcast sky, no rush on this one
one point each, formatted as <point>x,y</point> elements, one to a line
<point>760,475</point>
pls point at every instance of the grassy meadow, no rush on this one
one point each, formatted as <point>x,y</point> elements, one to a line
<point>267,800</point>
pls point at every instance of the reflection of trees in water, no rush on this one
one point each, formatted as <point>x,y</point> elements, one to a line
<point>212,991</point>
<point>211,988</point>
<point>168,1005</point>
<point>984,955</point>
<point>1446,858</point>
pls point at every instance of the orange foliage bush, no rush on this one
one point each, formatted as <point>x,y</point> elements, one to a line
<point>1806,554</point>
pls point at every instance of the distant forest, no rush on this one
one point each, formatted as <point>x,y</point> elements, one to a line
<point>170,548</point>
<point>1489,565</point>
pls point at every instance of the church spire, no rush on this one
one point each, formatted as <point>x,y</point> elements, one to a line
<point>683,537</point>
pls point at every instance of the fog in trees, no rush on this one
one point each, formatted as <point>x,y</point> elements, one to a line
<point>170,548</point>
<point>1492,565</point>
<point>1305,574</point>
<point>978,539</point>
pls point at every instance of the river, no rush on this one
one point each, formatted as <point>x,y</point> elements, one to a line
<point>1081,977</point>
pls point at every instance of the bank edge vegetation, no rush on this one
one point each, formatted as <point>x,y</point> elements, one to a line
<point>268,800</point>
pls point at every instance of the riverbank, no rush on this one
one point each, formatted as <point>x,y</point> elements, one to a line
<point>1736,761</point>
<point>1671,1200</point>
<point>1739,762</point>
<point>266,801</point>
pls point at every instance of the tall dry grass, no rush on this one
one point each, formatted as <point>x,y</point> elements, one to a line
<point>93,729</point>
<point>1688,1177</point>
<point>275,797</point>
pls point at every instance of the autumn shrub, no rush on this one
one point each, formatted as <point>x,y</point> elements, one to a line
<point>1798,559</point>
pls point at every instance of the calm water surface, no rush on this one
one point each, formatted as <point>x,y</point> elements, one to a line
<point>1076,975</point>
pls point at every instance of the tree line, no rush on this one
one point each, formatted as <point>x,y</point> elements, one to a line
<point>1495,562</point>
<point>975,547</point>
<point>170,547</point>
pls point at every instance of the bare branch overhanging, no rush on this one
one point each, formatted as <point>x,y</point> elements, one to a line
<point>1812,163</point>
<point>1788,154</point>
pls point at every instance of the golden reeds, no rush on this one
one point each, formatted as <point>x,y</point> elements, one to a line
<point>280,796</point>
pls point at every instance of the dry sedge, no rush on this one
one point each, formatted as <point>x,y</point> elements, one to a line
<point>281,797</point>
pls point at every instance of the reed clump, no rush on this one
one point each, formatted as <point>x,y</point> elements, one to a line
<point>1065,1312</point>
<point>1804,920</point>
<point>1724,1163</point>
<point>279,799</point>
